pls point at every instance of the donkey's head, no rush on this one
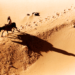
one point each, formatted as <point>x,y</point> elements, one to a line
<point>0,29</point>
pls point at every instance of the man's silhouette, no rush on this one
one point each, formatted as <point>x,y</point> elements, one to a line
<point>9,20</point>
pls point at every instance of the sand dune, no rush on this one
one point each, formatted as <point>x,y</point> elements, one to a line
<point>45,43</point>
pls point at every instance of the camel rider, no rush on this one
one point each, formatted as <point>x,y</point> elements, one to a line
<point>9,20</point>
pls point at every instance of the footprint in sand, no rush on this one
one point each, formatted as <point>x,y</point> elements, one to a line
<point>40,21</point>
<point>28,14</point>
<point>64,12</point>
<point>64,9</point>
<point>21,27</point>
<point>36,25</point>
<point>58,14</point>
<point>34,22</point>
<point>35,28</point>
<point>69,9</point>
<point>53,17</point>
<point>46,19</point>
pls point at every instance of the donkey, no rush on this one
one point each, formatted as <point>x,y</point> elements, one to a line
<point>9,27</point>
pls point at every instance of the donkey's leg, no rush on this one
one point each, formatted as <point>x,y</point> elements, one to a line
<point>2,34</point>
<point>13,30</point>
<point>7,32</point>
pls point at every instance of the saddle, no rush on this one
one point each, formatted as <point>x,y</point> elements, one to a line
<point>7,24</point>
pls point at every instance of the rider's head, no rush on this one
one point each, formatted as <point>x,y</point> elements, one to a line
<point>8,17</point>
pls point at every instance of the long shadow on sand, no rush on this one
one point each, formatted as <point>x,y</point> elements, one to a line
<point>38,45</point>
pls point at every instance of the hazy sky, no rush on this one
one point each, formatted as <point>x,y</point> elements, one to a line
<point>19,8</point>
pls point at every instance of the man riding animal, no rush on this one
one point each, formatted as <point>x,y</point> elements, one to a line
<point>9,26</point>
<point>9,21</point>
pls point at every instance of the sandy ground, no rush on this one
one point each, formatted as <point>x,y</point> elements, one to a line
<point>45,43</point>
<point>60,57</point>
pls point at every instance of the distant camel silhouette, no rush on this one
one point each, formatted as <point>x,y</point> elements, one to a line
<point>36,13</point>
<point>38,45</point>
<point>9,27</point>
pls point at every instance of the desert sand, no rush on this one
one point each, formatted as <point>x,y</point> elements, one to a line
<point>45,44</point>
